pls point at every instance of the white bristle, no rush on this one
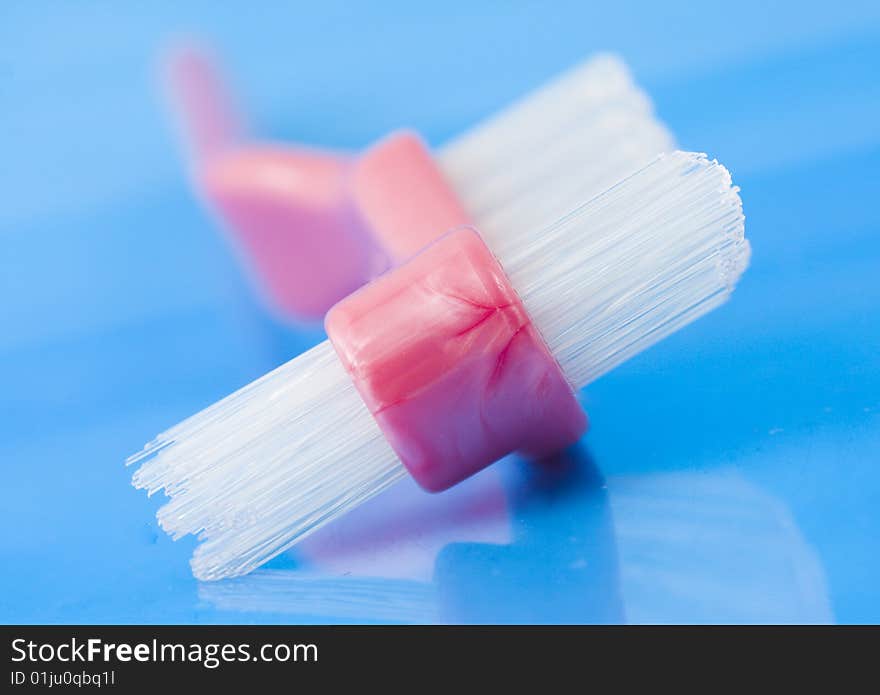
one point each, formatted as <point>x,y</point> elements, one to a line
<point>632,265</point>
<point>273,462</point>
<point>276,460</point>
<point>565,143</point>
<point>267,465</point>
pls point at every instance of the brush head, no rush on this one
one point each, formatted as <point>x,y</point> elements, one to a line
<point>553,149</point>
<point>263,468</point>
<point>627,268</point>
<point>267,465</point>
<point>312,226</point>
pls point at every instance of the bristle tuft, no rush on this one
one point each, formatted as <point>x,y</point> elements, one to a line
<point>266,466</point>
<point>636,263</point>
<point>550,151</point>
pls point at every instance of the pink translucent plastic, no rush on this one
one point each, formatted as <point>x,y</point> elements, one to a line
<point>403,197</point>
<point>292,216</point>
<point>207,115</point>
<point>446,358</point>
<point>312,225</point>
<point>288,209</point>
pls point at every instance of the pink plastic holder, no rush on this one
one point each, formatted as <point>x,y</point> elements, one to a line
<point>402,196</point>
<point>312,225</point>
<point>294,221</point>
<point>287,209</point>
<point>448,361</point>
<point>316,226</point>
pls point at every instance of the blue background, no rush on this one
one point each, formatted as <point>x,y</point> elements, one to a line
<point>730,474</point>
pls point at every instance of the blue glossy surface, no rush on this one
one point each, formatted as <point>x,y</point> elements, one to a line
<point>731,473</point>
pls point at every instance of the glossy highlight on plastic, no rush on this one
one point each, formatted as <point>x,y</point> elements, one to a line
<point>448,361</point>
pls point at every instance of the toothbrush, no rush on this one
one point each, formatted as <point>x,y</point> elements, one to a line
<point>315,225</point>
<point>472,349</point>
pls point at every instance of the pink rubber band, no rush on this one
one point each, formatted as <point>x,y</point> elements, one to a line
<point>448,361</point>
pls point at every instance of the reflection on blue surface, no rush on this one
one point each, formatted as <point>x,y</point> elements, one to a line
<point>677,547</point>
<point>731,473</point>
<point>561,565</point>
<point>713,547</point>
